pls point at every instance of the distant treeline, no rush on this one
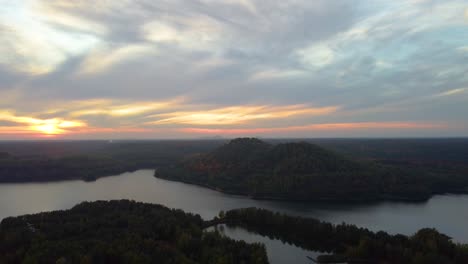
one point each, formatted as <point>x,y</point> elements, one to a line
<point>447,150</point>
<point>307,172</point>
<point>39,169</point>
<point>348,242</point>
<point>119,232</point>
<point>411,169</point>
<point>89,160</point>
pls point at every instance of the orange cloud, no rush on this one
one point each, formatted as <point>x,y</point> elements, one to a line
<point>315,127</point>
<point>15,130</point>
<point>239,114</point>
<point>98,130</point>
<point>22,132</point>
<point>52,126</point>
<point>119,108</point>
<point>31,132</point>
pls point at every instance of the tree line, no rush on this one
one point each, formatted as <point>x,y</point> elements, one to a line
<point>348,242</point>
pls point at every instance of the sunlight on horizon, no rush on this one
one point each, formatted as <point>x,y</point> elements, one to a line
<point>247,68</point>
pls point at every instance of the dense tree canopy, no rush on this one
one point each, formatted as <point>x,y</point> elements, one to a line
<point>303,171</point>
<point>130,232</point>
<point>441,164</point>
<point>119,232</point>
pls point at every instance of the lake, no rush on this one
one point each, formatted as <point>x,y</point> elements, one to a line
<point>277,251</point>
<point>447,213</point>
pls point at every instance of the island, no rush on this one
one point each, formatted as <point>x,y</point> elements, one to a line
<point>301,171</point>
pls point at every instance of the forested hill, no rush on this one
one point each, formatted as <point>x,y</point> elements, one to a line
<point>249,155</point>
<point>119,232</point>
<point>303,171</point>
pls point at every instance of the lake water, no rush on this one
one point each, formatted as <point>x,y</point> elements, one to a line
<point>447,213</point>
<point>277,251</point>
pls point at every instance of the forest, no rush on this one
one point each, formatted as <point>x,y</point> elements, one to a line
<point>123,231</point>
<point>301,169</point>
<point>307,172</point>
<point>119,232</point>
<point>348,243</point>
<point>88,160</point>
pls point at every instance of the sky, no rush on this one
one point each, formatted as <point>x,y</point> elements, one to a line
<point>162,69</point>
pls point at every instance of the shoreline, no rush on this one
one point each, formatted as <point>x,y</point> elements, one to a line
<point>383,198</point>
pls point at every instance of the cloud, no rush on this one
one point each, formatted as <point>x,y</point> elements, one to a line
<point>333,127</point>
<point>275,74</point>
<point>51,126</point>
<point>55,14</point>
<point>196,32</point>
<point>247,4</point>
<point>392,24</point>
<point>32,45</point>
<point>120,109</point>
<point>235,115</point>
<point>105,58</point>
<point>317,55</point>
<point>240,64</point>
<point>452,92</point>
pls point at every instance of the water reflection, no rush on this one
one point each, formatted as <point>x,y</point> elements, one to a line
<point>447,213</point>
<point>278,252</point>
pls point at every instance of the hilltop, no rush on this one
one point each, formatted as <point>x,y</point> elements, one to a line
<point>306,172</point>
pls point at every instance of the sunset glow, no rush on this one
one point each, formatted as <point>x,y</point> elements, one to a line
<point>345,102</point>
<point>319,128</point>
<point>73,69</point>
<point>54,126</point>
<point>239,114</point>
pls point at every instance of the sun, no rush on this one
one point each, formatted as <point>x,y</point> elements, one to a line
<point>52,127</point>
<point>49,129</point>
